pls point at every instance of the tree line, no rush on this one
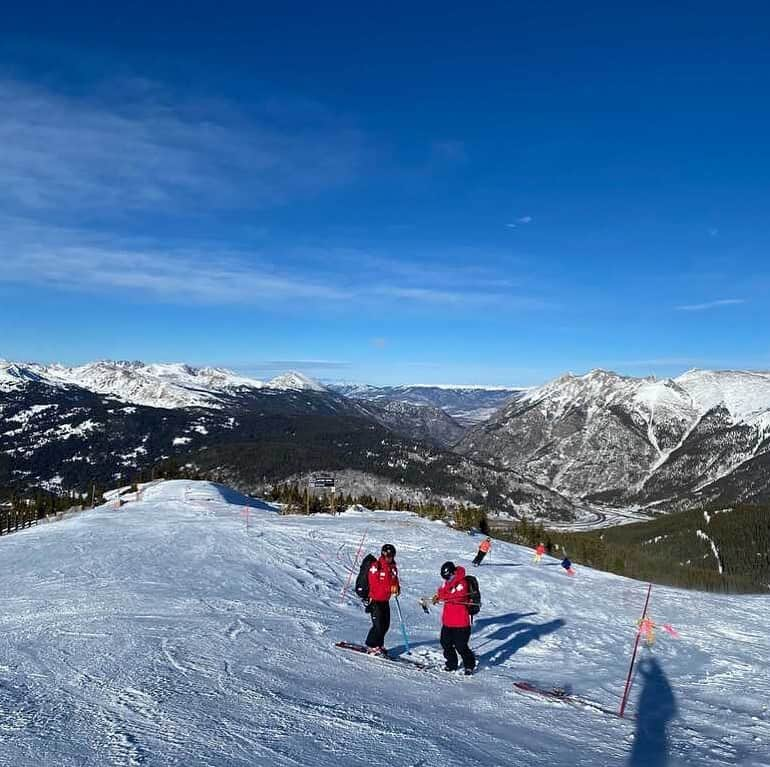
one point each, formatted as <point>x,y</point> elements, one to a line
<point>721,550</point>
<point>294,497</point>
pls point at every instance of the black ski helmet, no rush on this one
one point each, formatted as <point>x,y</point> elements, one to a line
<point>388,550</point>
<point>448,570</point>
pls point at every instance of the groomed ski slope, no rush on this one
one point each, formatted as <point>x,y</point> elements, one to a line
<point>166,633</point>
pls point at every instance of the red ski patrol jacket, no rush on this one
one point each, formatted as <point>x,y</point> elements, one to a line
<point>383,580</point>
<point>485,546</point>
<point>454,595</point>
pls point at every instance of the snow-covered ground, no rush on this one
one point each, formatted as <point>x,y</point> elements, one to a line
<point>167,632</point>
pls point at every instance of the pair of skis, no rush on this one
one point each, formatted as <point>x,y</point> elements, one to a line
<point>363,650</point>
<point>560,695</point>
<point>553,694</point>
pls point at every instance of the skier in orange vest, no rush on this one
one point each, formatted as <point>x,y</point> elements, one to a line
<point>539,551</point>
<point>484,548</point>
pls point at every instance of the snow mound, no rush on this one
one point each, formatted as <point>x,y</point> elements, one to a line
<point>188,491</point>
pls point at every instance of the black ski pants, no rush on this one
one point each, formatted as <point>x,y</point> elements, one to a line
<point>479,558</point>
<point>455,640</point>
<point>380,612</point>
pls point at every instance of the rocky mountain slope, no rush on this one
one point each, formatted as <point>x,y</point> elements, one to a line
<point>421,422</point>
<point>468,405</point>
<point>637,440</point>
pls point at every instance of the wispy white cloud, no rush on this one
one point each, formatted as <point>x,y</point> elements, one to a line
<point>424,272</point>
<point>430,280</point>
<point>433,295</point>
<point>89,262</point>
<point>519,221</point>
<point>142,150</point>
<point>156,271</point>
<point>711,305</point>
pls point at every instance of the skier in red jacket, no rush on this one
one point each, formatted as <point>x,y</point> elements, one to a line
<point>383,584</point>
<point>484,548</point>
<point>455,619</point>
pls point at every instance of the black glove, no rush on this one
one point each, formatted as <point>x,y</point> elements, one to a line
<point>368,606</point>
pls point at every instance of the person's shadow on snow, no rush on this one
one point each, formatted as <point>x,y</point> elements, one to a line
<point>515,635</point>
<point>655,708</point>
<point>505,621</point>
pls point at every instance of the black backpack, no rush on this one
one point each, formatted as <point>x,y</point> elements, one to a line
<point>474,595</point>
<point>362,582</point>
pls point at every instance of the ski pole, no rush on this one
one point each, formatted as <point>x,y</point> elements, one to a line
<point>403,626</point>
<point>352,569</point>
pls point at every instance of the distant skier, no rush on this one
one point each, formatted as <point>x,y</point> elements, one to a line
<point>455,618</point>
<point>647,630</point>
<point>383,584</point>
<point>539,551</point>
<point>484,548</point>
<point>567,565</point>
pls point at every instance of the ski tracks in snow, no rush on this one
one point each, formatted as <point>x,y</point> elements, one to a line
<point>172,637</point>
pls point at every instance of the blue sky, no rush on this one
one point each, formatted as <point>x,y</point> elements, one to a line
<point>445,194</point>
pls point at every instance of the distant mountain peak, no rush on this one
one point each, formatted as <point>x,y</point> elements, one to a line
<point>296,381</point>
<point>14,373</point>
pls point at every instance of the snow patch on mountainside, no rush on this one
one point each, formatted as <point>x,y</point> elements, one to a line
<point>744,394</point>
<point>295,381</point>
<point>14,375</point>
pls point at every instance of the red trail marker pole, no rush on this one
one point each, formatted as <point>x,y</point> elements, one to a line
<point>633,656</point>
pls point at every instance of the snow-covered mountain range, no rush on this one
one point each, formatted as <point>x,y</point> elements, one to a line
<point>699,438</point>
<point>611,437</point>
<point>154,385</point>
<point>64,428</point>
<point>177,630</point>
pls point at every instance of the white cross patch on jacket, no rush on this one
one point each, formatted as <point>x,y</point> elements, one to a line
<point>458,587</point>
